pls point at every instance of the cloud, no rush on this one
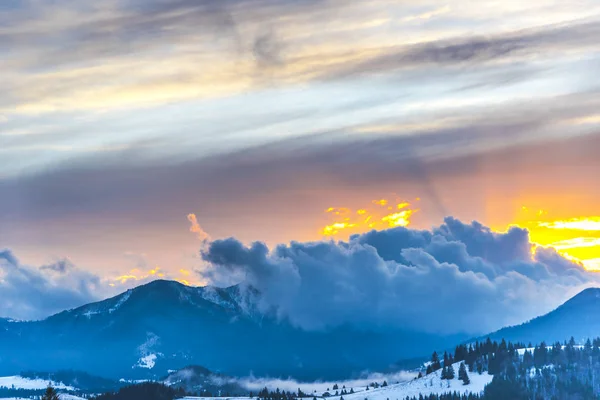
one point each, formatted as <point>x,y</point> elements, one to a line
<point>454,278</point>
<point>74,56</point>
<point>279,191</point>
<point>477,51</point>
<point>256,384</point>
<point>31,293</point>
<point>28,292</point>
<point>197,229</point>
<point>61,266</point>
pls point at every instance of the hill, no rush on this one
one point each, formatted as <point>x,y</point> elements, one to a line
<point>577,317</point>
<point>164,325</point>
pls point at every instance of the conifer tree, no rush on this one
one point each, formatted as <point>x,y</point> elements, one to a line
<point>463,375</point>
<point>435,362</point>
<point>451,373</point>
<point>50,394</point>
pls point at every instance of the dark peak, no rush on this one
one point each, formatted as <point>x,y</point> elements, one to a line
<point>170,284</point>
<point>234,292</point>
<point>160,284</point>
<point>589,292</point>
<point>589,295</point>
<point>238,298</point>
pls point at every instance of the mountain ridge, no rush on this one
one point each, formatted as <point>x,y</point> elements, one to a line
<point>165,325</point>
<point>577,317</point>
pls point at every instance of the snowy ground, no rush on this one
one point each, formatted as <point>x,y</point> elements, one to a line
<point>62,396</point>
<point>429,384</point>
<point>18,382</point>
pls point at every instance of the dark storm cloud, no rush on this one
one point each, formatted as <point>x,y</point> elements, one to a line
<point>458,277</point>
<point>465,245</point>
<point>29,293</point>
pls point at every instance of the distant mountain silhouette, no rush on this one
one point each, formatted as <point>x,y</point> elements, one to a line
<point>164,325</point>
<point>578,317</point>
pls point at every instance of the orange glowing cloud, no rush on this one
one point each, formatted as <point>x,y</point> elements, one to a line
<point>401,218</point>
<point>336,227</point>
<point>136,274</point>
<point>196,228</point>
<point>378,216</point>
<point>576,238</point>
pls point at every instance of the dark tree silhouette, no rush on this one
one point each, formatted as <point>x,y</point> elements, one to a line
<point>50,394</point>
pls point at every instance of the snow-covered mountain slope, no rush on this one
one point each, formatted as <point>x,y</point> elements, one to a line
<point>429,384</point>
<point>104,307</point>
<point>237,299</point>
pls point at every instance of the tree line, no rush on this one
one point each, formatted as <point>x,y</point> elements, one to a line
<point>560,371</point>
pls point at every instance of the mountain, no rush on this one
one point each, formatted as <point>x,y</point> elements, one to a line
<point>578,317</point>
<point>164,325</point>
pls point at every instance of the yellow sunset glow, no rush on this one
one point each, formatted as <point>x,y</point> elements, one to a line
<point>378,216</point>
<point>398,219</point>
<point>137,274</point>
<point>576,243</point>
<point>576,238</point>
<point>336,227</point>
<point>580,224</point>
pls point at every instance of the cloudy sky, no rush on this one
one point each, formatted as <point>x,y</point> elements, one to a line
<point>134,134</point>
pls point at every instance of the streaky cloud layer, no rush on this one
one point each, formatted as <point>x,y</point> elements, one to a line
<point>119,119</point>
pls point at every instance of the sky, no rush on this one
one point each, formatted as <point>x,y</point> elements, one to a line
<point>134,135</point>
